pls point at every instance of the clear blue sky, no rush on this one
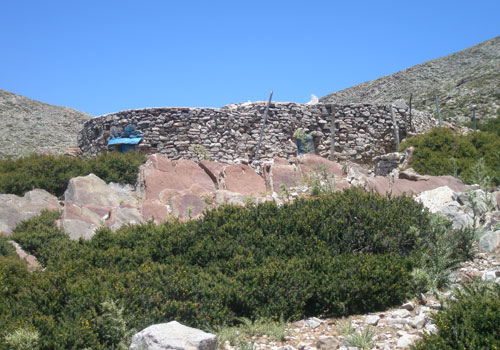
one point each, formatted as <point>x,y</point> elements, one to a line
<point>104,56</point>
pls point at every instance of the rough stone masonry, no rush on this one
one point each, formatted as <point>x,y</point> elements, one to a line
<point>362,131</point>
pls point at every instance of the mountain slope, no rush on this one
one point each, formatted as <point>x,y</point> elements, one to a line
<point>31,126</point>
<point>461,80</point>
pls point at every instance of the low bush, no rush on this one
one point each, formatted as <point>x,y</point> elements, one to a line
<point>442,152</point>
<point>490,125</point>
<point>471,321</point>
<point>336,255</point>
<point>52,173</point>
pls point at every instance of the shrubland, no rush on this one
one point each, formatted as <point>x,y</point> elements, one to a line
<point>340,254</point>
<point>53,172</point>
<point>442,152</point>
<point>469,321</point>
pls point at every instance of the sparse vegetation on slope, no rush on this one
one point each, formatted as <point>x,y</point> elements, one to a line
<point>30,126</point>
<point>463,80</point>
<point>336,255</point>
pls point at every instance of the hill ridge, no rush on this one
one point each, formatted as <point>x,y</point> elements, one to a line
<point>461,80</point>
<point>31,126</point>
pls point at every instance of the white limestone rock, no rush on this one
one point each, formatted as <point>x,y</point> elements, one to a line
<point>172,336</point>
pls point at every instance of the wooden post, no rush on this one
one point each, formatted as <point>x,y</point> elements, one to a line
<point>263,126</point>
<point>333,130</point>
<point>411,121</point>
<point>439,114</point>
<point>474,117</point>
<point>395,127</point>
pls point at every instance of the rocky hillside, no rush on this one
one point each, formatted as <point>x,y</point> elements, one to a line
<point>467,78</point>
<point>32,126</point>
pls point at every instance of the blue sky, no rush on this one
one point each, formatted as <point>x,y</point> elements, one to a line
<point>104,56</point>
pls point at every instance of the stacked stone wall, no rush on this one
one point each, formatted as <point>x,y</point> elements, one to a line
<point>232,132</point>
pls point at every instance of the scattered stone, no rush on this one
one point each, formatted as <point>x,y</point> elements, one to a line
<point>418,322</point>
<point>372,320</point>
<point>490,276</point>
<point>490,241</point>
<point>172,335</point>
<point>401,313</point>
<point>406,340</point>
<point>313,322</point>
<point>410,306</point>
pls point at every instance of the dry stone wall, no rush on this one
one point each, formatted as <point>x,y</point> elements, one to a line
<point>232,132</point>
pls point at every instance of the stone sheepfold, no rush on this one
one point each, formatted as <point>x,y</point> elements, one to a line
<point>225,134</point>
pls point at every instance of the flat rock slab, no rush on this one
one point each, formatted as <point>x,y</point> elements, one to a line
<point>14,209</point>
<point>243,179</point>
<point>172,336</point>
<point>409,185</point>
<point>160,174</point>
<point>312,162</point>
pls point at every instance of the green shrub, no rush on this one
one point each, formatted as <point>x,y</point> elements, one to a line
<point>469,322</point>
<point>6,249</point>
<point>52,173</point>
<point>442,152</point>
<point>335,255</point>
<point>440,253</point>
<point>117,167</point>
<point>39,236</point>
<point>23,339</point>
<point>489,125</point>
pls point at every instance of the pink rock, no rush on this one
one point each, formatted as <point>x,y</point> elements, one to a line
<point>429,182</point>
<point>153,209</point>
<point>187,206</point>
<point>213,169</point>
<point>159,174</point>
<point>243,179</point>
<point>281,173</point>
<point>312,162</point>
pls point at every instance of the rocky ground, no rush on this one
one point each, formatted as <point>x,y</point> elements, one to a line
<point>465,79</point>
<point>396,328</point>
<point>30,126</point>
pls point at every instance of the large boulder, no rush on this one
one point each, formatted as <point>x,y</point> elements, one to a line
<point>91,203</point>
<point>172,336</point>
<point>90,190</point>
<point>14,209</point>
<point>444,201</point>
<point>242,179</point>
<point>160,173</point>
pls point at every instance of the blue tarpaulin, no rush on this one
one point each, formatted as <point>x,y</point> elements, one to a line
<point>125,141</point>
